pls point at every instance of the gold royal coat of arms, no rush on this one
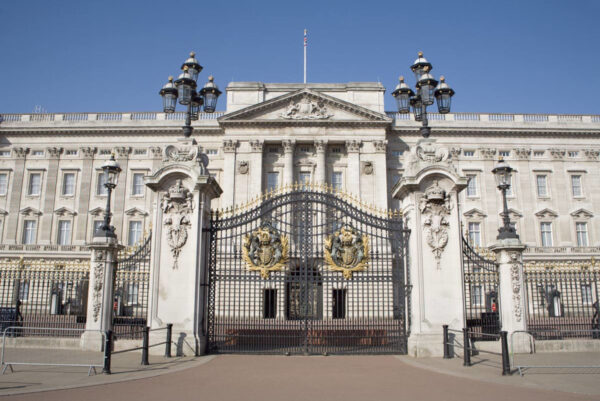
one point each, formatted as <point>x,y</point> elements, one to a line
<point>347,251</point>
<point>265,250</point>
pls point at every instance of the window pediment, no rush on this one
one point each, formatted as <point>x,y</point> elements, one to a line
<point>134,211</point>
<point>475,214</point>
<point>29,211</point>
<point>63,211</point>
<point>546,214</point>
<point>582,214</point>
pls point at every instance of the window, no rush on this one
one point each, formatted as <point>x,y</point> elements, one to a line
<point>97,225</point>
<point>586,294</point>
<point>3,183</point>
<point>336,149</point>
<point>71,152</point>
<point>140,152</point>
<point>504,153</point>
<point>538,153</point>
<point>576,189</point>
<point>541,185</point>
<point>23,290</point>
<point>68,187</point>
<point>64,232</point>
<point>546,233</point>
<point>476,295</point>
<point>137,184</point>
<point>35,184</point>
<point>273,149</point>
<point>104,152</point>
<point>135,232</point>
<point>272,180</point>
<point>471,185</point>
<point>37,153</point>
<point>582,234</point>
<point>336,180</point>
<point>269,303</point>
<point>469,153</point>
<point>475,234</point>
<point>5,153</point>
<point>305,149</point>
<point>100,188</point>
<point>304,178</point>
<point>132,294</point>
<point>573,153</point>
<point>339,304</point>
<point>29,227</point>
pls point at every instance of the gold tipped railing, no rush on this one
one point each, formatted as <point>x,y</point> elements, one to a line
<point>567,266</point>
<point>325,188</point>
<point>34,264</point>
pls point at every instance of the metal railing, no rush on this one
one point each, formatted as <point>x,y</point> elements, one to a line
<point>145,348</point>
<point>36,357</point>
<point>469,349</point>
<point>521,366</point>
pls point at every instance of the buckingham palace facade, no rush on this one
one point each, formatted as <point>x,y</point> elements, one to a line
<point>306,203</point>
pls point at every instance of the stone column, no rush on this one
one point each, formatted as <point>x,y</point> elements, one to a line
<point>180,250</point>
<point>321,168</point>
<point>288,161</point>
<point>509,255</point>
<point>52,179</point>
<point>121,190</point>
<point>353,178</point>
<point>256,169</point>
<point>85,191</point>
<point>428,192</point>
<point>380,159</point>
<point>229,148</point>
<point>100,291</point>
<point>14,205</point>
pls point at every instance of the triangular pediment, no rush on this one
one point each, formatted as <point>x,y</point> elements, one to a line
<point>513,213</point>
<point>546,213</point>
<point>582,214</point>
<point>475,213</point>
<point>29,211</point>
<point>134,211</point>
<point>304,106</point>
<point>97,211</point>
<point>64,211</point>
<point>3,212</point>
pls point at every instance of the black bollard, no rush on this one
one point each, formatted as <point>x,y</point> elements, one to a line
<point>505,358</point>
<point>107,352</point>
<point>169,340</point>
<point>467,346</point>
<point>446,343</point>
<point>145,344</point>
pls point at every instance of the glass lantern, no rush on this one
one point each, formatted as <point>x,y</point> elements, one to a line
<point>169,96</point>
<point>111,172</point>
<point>185,87</point>
<point>197,102</point>
<point>443,95</point>
<point>193,67</point>
<point>502,173</point>
<point>421,66</point>
<point>403,93</point>
<point>417,106</point>
<point>210,93</point>
<point>426,86</point>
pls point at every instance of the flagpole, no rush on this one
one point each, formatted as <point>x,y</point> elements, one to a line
<point>305,40</point>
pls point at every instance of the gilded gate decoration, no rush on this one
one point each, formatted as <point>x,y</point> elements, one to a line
<point>347,251</point>
<point>307,269</point>
<point>265,250</point>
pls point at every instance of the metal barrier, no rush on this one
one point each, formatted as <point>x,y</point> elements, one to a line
<point>146,343</point>
<point>469,349</point>
<point>531,335</point>
<point>14,331</point>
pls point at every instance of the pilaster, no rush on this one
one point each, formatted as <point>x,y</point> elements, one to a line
<point>85,189</point>
<point>52,179</point>
<point>353,179</point>
<point>288,161</point>
<point>256,168</point>
<point>122,156</point>
<point>12,218</point>
<point>380,161</point>
<point>229,156</point>
<point>321,168</point>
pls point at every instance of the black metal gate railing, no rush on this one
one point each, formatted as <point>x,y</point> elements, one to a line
<point>482,306</point>
<point>132,283</point>
<point>304,305</point>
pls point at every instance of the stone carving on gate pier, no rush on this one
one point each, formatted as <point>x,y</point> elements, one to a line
<point>347,251</point>
<point>435,205</point>
<point>306,109</point>
<point>265,250</point>
<point>98,283</point>
<point>187,154</point>
<point>515,275</point>
<point>177,205</point>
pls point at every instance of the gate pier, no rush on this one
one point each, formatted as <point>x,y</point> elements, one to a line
<point>178,278</point>
<point>428,192</point>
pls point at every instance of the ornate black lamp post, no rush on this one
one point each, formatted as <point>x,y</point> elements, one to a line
<point>427,89</point>
<point>111,174</point>
<point>503,173</point>
<point>184,89</point>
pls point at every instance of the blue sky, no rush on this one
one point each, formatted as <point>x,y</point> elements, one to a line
<point>503,56</point>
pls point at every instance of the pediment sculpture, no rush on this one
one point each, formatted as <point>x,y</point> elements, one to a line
<point>347,251</point>
<point>435,205</point>
<point>265,250</point>
<point>306,109</point>
<point>177,205</point>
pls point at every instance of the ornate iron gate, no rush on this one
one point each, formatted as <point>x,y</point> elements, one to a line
<point>482,309</point>
<point>308,270</point>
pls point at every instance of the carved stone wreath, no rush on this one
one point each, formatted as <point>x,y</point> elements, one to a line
<point>177,205</point>
<point>98,284</point>
<point>347,251</point>
<point>435,206</point>
<point>265,250</point>
<point>515,275</point>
